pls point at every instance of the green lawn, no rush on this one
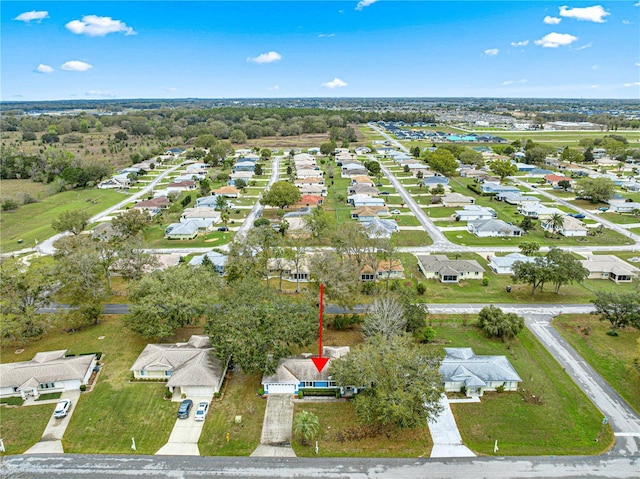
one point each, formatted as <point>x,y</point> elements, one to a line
<point>33,221</point>
<point>22,427</point>
<point>611,356</point>
<point>338,417</point>
<point>14,189</point>
<point>240,399</point>
<point>548,415</point>
<point>621,218</point>
<point>413,238</point>
<point>154,238</point>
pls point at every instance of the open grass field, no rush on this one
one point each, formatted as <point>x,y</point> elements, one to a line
<point>339,416</point>
<point>611,356</point>
<point>16,188</point>
<point>548,415</point>
<point>33,221</point>
<point>240,399</point>
<point>565,138</point>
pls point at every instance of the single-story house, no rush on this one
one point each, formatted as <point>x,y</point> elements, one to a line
<point>462,370</point>
<point>299,372</point>
<point>310,181</point>
<point>504,264</point>
<point>570,227</point>
<point>449,270</point>
<point>189,176</point>
<point>493,227</point>
<point>363,190</point>
<point>185,185</point>
<point>475,213</point>
<point>154,205</point>
<point>368,213</point>
<point>190,368</point>
<point>362,150</point>
<point>286,268</point>
<point>104,231</point>
<point>524,166</point>
<point>554,179</point>
<point>364,200</point>
<point>189,229</point>
<point>316,190</point>
<point>384,269</point>
<point>610,267</point>
<point>245,176</point>
<point>117,182</point>
<point>539,173</point>
<point>495,188</point>
<point>517,199</point>
<point>243,166</point>
<point>211,201</point>
<point>173,151</point>
<point>310,200</point>
<point>197,167</point>
<point>228,191</point>
<point>539,211</point>
<point>47,372</point>
<point>623,206</point>
<point>200,213</point>
<point>435,180</point>
<point>218,260</point>
<point>361,180</point>
<point>302,173</point>
<point>304,157</point>
<point>456,200</point>
<point>381,229</point>
<point>313,151</point>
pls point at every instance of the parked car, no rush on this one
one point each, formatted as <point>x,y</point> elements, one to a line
<point>185,409</point>
<point>201,411</point>
<point>395,212</point>
<point>62,408</point>
<point>603,208</point>
<point>384,192</point>
<point>223,228</point>
<point>577,215</point>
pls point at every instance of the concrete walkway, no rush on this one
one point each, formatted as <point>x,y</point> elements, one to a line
<point>51,441</point>
<point>447,441</point>
<point>276,428</point>
<point>183,440</point>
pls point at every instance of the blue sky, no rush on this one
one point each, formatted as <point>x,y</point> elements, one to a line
<point>206,49</point>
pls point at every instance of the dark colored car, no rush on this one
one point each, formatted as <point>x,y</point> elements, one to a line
<point>577,215</point>
<point>223,228</point>
<point>185,409</point>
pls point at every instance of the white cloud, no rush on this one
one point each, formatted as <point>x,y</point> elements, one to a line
<point>44,68</point>
<point>268,57</point>
<point>32,15</point>
<point>511,82</point>
<point>364,3</point>
<point>627,85</point>
<point>326,35</point>
<point>551,20</point>
<point>595,67</point>
<point>585,46</point>
<point>274,87</point>
<point>99,93</point>
<point>638,64</point>
<point>335,83</point>
<point>76,66</point>
<point>95,26</point>
<point>491,52</point>
<point>523,43</point>
<point>171,89</point>
<point>555,40</point>
<point>590,14</point>
<point>626,22</point>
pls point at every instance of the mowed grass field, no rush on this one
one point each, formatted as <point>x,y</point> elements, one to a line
<point>33,221</point>
<point>611,356</point>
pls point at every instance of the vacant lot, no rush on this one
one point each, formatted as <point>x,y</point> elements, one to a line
<point>611,356</point>
<point>548,415</point>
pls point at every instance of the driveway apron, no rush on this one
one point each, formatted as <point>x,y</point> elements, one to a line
<point>447,441</point>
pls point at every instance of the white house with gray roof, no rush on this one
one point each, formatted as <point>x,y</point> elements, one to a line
<point>190,368</point>
<point>604,266</point>
<point>475,213</point>
<point>463,370</point>
<point>504,264</point>
<point>47,372</point>
<point>494,227</point>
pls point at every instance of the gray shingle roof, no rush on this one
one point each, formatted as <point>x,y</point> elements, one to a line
<point>301,368</point>
<point>439,263</point>
<point>45,367</point>
<point>462,364</point>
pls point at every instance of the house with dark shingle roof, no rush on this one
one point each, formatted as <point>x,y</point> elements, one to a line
<point>447,270</point>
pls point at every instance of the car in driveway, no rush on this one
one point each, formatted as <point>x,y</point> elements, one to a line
<point>185,409</point>
<point>62,409</point>
<point>395,212</point>
<point>201,411</point>
<point>577,215</point>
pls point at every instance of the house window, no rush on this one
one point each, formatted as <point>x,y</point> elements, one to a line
<point>449,279</point>
<point>168,373</point>
<point>331,384</point>
<point>307,384</point>
<point>143,372</point>
<point>47,385</point>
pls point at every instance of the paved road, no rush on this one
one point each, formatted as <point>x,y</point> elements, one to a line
<point>115,467</point>
<point>256,211</point>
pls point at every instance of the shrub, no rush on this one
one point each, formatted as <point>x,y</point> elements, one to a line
<point>485,281</point>
<point>421,288</point>
<point>167,393</point>
<point>300,394</point>
<point>500,389</point>
<point>428,334</point>
<point>260,392</point>
<point>83,387</point>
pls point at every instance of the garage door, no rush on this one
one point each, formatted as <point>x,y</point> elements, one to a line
<point>281,389</point>
<point>198,391</point>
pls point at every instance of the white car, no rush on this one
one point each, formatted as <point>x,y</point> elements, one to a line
<point>201,412</point>
<point>62,408</point>
<point>395,212</point>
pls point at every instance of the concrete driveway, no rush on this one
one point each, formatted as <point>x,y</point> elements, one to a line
<point>447,441</point>
<point>185,435</point>
<point>51,441</point>
<point>276,428</point>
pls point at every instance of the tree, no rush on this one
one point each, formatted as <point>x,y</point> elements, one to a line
<point>556,222</point>
<point>240,184</point>
<point>328,148</point>
<point>527,224</point>
<point>73,221</point>
<point>536,273</point>
<point>265,154</point>
<point>402,385</point>
<point>616,149</point>
<point>565,268</point>
<point>571,155</point>
<point>164,301</point>
<point>340,277</point>
<point>131,222</point>
<point>133,262</point>
<point>537,154</point>
<point>281,194</point>
<point>494,322</point>
<point>257,326</point>
<point>23,291</point>
<point>222,203</point>
<point>503,168</point>
<point>442,161</point>
<point>258,170</point>
<point>564,184</point>
<point>597,190</point>
<point>471,157</point>
<point>415,151</point>
<point>385,318</point>
<point>620,309</point>
<point>306,426</point>
<point>588,155</point>
<point>529,248</point>
<point>320,222</point>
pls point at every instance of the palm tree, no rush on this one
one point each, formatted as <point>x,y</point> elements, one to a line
<point>556,222</point>
<point>306,426</point>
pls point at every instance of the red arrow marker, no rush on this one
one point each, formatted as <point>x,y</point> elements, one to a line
<point>320,362</point>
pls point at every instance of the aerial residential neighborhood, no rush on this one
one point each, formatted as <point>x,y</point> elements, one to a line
<point>244,278</point>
